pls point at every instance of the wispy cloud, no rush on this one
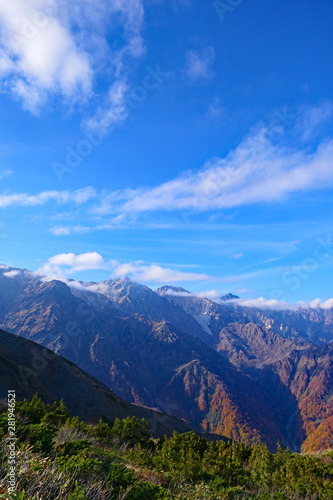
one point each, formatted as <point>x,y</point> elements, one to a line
<point>244,291</point>
<point>215,110</point>
<point>257,303</point>
<point>199,64</point>
<point>237,256</point>
<point>313,118</point>
<point>11,274</point>
<point>260,273</point>
<point>4,174</point>
<point>65,231</point>
<point>209,294</point>
<point>276,305</point>
<point>77,197</point>
<point>258,171</point>
<point>114,109</point>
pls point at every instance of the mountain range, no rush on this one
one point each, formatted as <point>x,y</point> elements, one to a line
<point>245,373</point>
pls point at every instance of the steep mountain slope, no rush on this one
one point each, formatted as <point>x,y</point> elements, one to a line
<point>250,345</point>
<point>308,375</point>
<point>29,368</point>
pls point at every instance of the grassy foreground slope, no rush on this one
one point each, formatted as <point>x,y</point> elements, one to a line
<point>61,457</point>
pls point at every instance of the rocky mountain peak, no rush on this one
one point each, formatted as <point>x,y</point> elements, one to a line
<point>229,296</point>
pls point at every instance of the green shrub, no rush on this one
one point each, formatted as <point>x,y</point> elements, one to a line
<point>131,431</point>
<point>78,494</point>
<point>140,456</point>
<point>121,476</point>
<point>102,431</point>
<point>38,435</point>
<point>148,491</point>
<point>34,410</point>
<point>73,447</point>
<point>80,464</point>
<point>182,455</point>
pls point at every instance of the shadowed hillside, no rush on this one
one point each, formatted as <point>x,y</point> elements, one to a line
<point>29,368</point>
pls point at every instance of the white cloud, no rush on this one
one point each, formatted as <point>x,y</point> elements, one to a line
<point>83,195</point>
<point>328,304</point>
<point>42,54</point>
<point>156,274</point>
<point>77,197</point>
<point>199,64</point>
<point>78,262</point>
<point>69,263</point>
<point>11,274</point>
<point>51,48</point>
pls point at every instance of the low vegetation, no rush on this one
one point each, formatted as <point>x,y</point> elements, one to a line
<point>60,457</point>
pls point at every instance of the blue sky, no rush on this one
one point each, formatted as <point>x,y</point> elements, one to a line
<point>186,142</point>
